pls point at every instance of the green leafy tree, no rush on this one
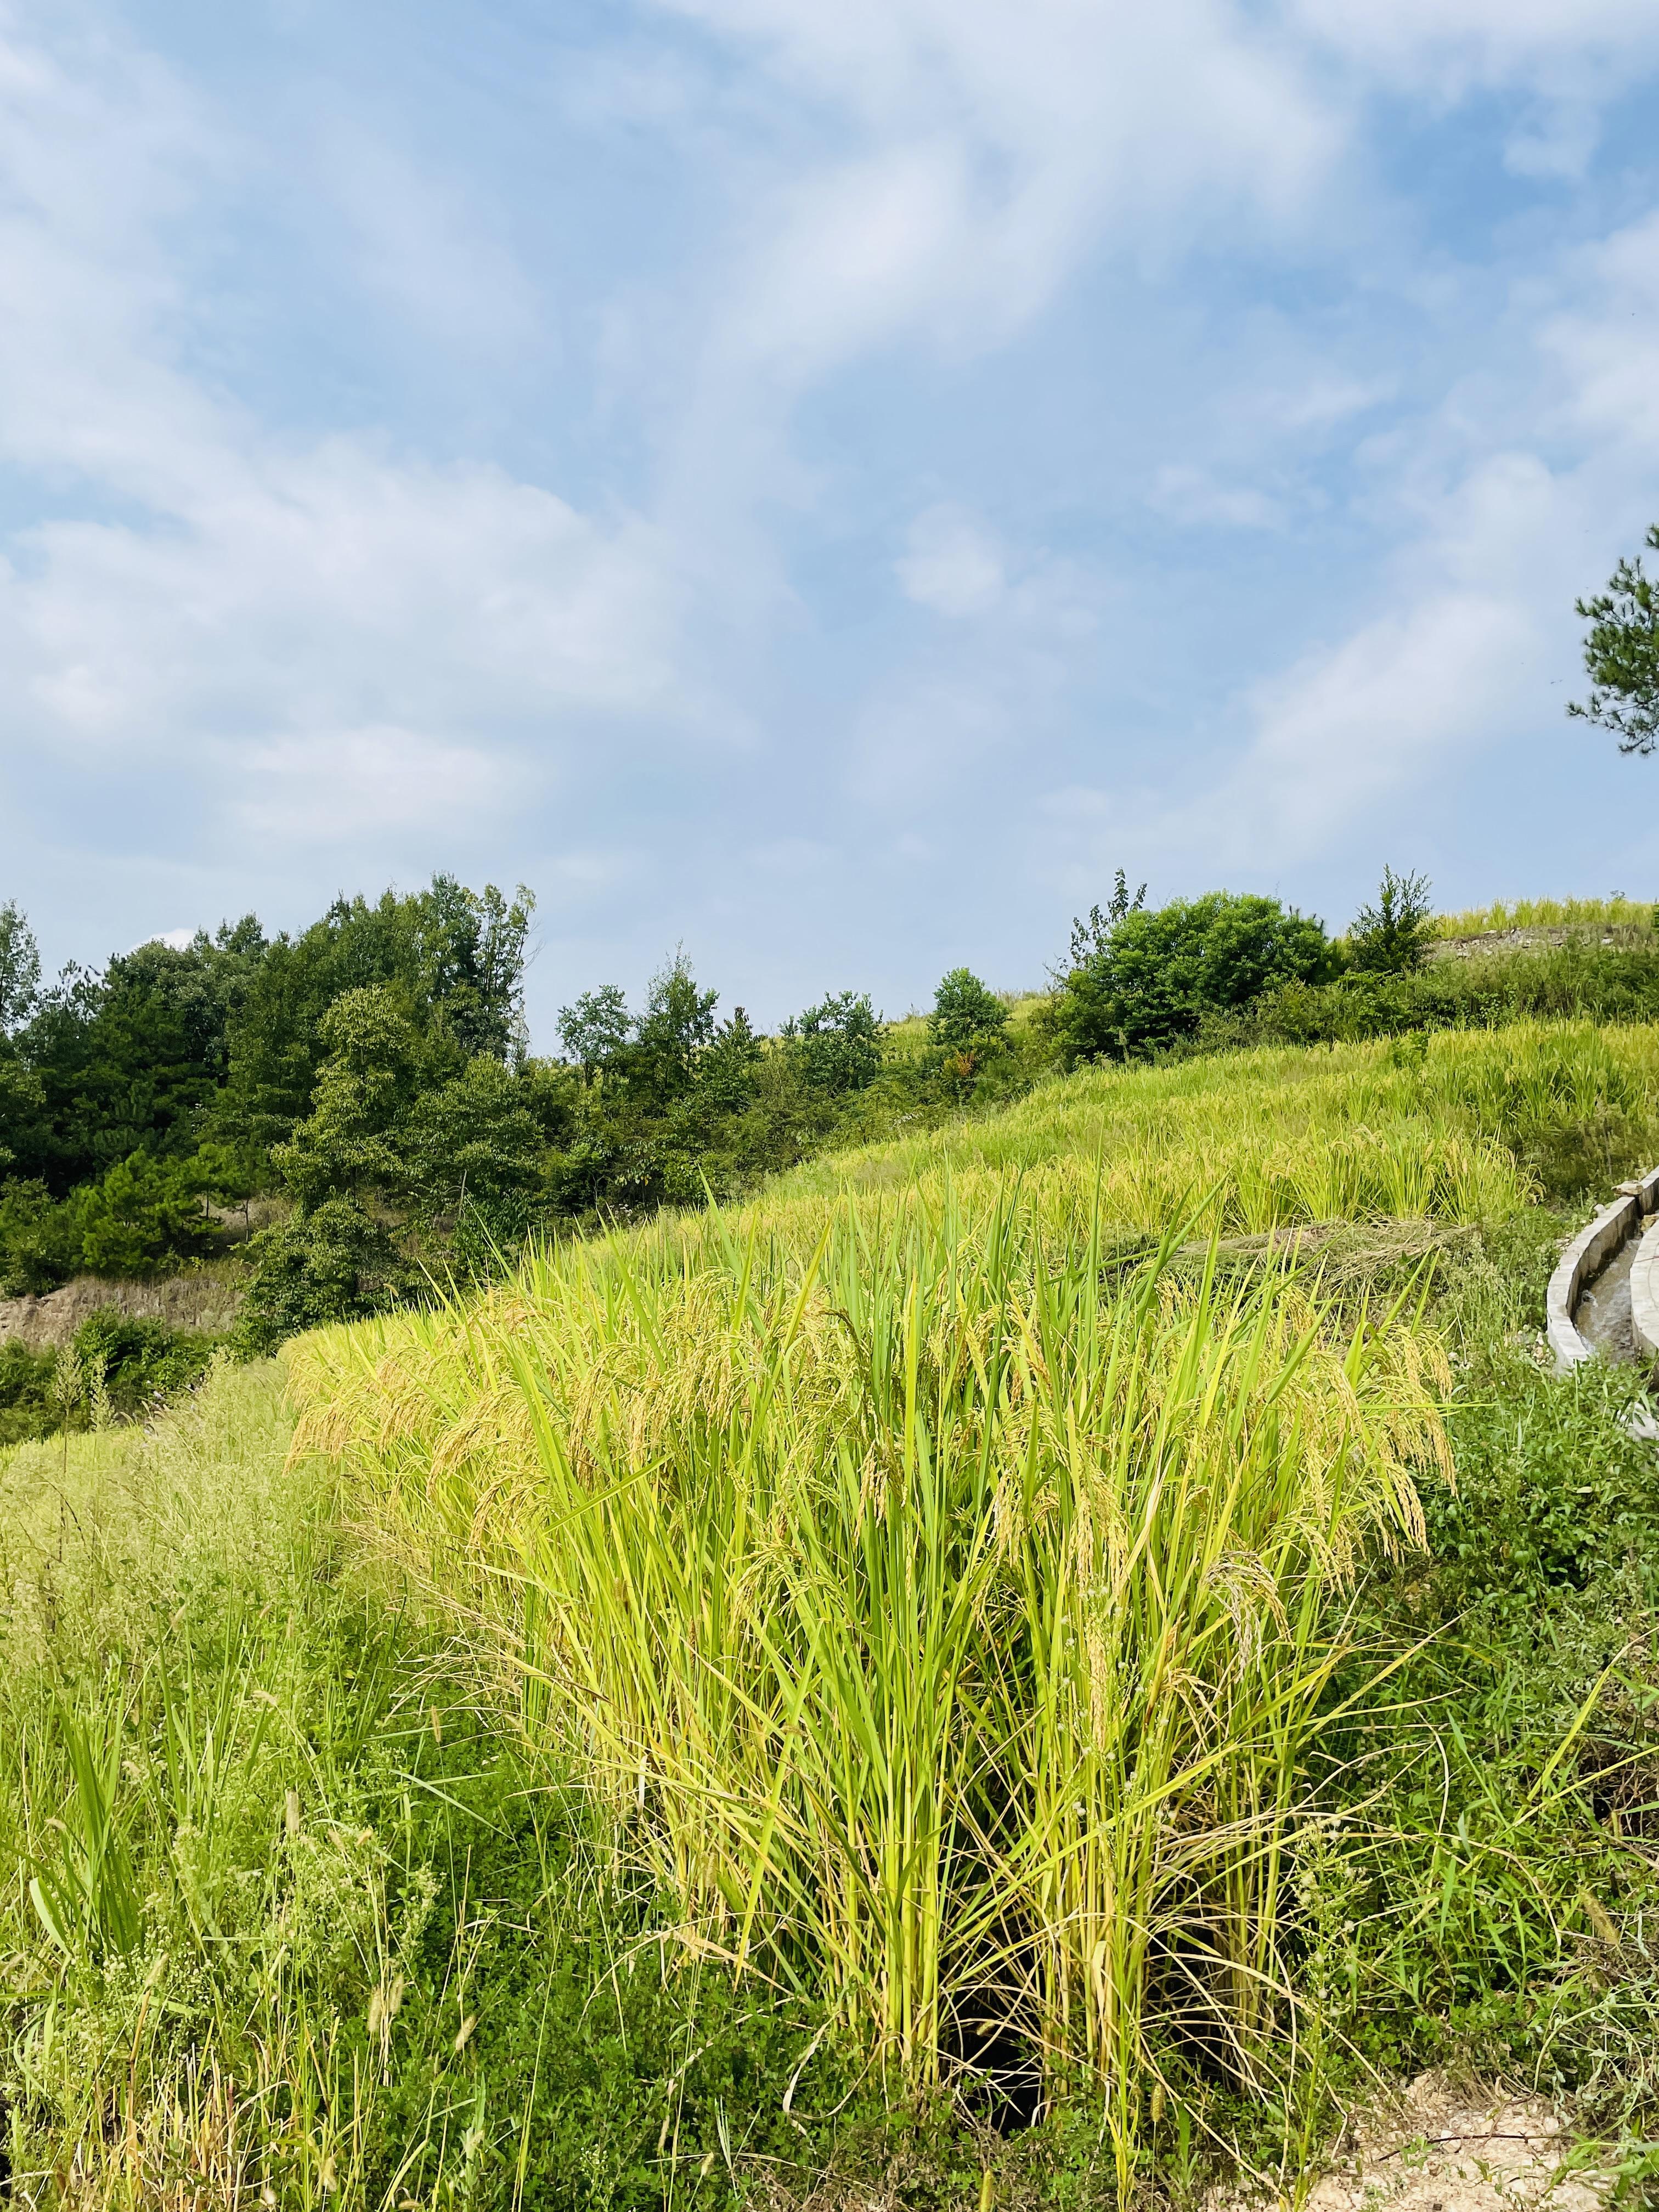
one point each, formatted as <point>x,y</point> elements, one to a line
<point>1391,937</point>
<point>131,1058</point>
<point>967,1028</point>
<point>966,1016</point>
<point>677,1023</point>
<point>471,948</point>
<point>20,969</point>
<point>726,1068</point>
<point>345,1147</point>
<point>144,1214</point>
<point>837,1044</point>
<point>22,1102</point>
<point>1621,656</point>
<point>1160,970</point>
<point>474,1142</point>
<point>454,956</point>
<point>596,1029</point>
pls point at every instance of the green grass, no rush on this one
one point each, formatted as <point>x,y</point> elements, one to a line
<point>1548,914</point>
<point>706,1705</point>
<point>286,1910</point>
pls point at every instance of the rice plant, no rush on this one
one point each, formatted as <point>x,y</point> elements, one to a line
<point>944,1634</point>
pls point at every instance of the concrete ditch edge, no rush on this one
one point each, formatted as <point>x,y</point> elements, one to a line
<point>1644,1293</point>
<point>1600,1236</point>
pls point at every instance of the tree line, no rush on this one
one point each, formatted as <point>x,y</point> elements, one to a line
<point>356,1104</point>
<point>355,1107</point>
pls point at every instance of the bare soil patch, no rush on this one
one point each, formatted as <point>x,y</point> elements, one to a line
<point>1447,2148</point>
<point>205,1299</point>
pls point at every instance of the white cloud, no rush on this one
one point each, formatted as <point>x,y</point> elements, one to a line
<point>1605,345</point>
<point>422,240</point>
<point>1194,498</point>
<point>304,583</point>
<point>952,563</point>
<point>1450,47</point>
<point>343,629</point>
<point>343,786</point>
<point>955,162</point>
<point>1393,705</point>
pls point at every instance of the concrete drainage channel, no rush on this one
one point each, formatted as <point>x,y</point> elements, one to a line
<point>1603,1298</point>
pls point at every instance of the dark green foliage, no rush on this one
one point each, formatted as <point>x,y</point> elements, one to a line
<point>453,957</point>
<point>129,1061</point>
<point>1579,978</point>
<point>1156,975</point>
<point>145,1215</point>
<point>675,1104</point>
<point>1392,938</point>
<point>133,1101</point>
<point>335,1262</point>
<point>39,1246</point>
<point>371,1076</point>
<point>475,1140</point>
<point>837,1044</point>
<point>135,1362</point>
<point>1621,655</point>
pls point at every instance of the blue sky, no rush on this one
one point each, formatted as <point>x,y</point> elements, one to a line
<point>821,483</point>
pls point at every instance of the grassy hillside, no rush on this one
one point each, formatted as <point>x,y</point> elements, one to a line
<point>1588,913</point>
<point>762,1704</point>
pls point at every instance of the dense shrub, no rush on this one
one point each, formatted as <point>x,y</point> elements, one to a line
<point>115,1365</point>
<point>1582,978</point>
<point>335,1262</point>
<point>1158,974</point>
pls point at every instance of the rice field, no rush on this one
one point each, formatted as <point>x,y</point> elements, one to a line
<point>913,1604</point>
<point>942,1612</point>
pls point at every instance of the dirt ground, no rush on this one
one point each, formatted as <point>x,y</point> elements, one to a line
<point>1445,2148</point>
<point>1530,940</point>
<point>201,1298</point>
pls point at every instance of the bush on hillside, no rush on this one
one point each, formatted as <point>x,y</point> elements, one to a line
<point>337,1262</point>
<point>116,1364</point>
<point>1393,937</point>
<point>1580,980</point>
<point>837,1044</point>
<point>39,1247</point>
<point>1156,974</point>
